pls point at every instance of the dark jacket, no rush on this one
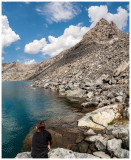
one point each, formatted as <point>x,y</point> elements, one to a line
<point>40,144</point>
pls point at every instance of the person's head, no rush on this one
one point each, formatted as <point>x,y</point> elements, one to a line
<point>40,126</point>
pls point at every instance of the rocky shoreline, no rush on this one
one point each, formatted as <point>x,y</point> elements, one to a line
<point>102,132</point>
<point>97,71</point>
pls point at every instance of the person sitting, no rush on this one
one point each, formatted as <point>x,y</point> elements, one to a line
<point>41,141</point>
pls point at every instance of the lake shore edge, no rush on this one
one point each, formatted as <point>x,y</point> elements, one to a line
<point>100,138</point>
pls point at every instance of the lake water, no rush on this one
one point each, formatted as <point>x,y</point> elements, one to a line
<point>22,107</point>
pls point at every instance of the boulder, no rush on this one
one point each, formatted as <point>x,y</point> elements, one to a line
<point>89,104</point>
<point>24,155</point>
<point>114,145</point>
<point>100,118</point>
<point>89,84</point>
<point>119,99</point>
<point>101,144</point>
<point>61,87</point>
<point>83,147</point>
<point>110,95</point>
<point>89,132</point>
<point>115,133</point>
<point>46,85</point>
<point>94,138</point>
<point>75,93</point>
<point>90,94</point>
<point>123,133</point>
<point>62,92</point>
<point>99,82</point>
<point>103,103</point>
<point>122,67</point>
<point>123,153</point>
<point>59,153</point>
<point>101,154</point>
<point>109,129</point>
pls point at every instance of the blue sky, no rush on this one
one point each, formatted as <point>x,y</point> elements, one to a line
<point>35,31</point>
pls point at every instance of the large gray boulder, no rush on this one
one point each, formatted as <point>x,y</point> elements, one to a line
<point>114,146</point>
<point>123,153</point>
<point>94,138</point>
<point>101,144</point>
<point>59,153</point>
<point>75,93</point>
<point>100,118</point>
<point>24,155</point>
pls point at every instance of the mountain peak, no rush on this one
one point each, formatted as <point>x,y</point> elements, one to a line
<point>102,22</point>
<point>103,32</point>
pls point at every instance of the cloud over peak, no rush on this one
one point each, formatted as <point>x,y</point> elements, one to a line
<point>26,61</point>
<point>74,33</point>
<point>95,13</point>
<point>8,35</point>
<point>58,11</point>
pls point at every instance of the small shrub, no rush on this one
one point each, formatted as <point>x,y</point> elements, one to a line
<point>111,122</point>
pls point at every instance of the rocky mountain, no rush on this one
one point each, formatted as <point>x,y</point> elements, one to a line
<point>16,71</point>
<point>95,70</point>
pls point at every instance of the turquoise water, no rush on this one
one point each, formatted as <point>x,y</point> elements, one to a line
<point>22,107</point>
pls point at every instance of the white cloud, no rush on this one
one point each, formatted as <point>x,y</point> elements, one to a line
<point>70,37</point>
<point>3,58</point>
<point>35,46</point>
<point>73,34</point>
<point>8,35</point>
<point>28,62</point>
<point>17,48</point>
<point>59,11</point>
<point>95,13</point>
